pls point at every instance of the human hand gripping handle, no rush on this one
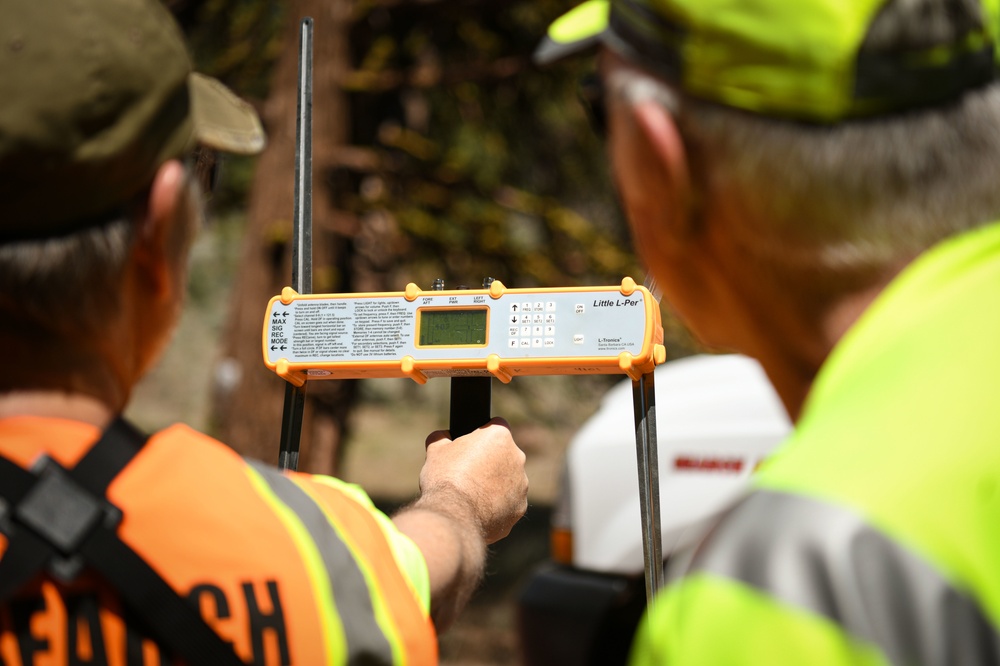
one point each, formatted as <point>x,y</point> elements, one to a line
<point>473,490</point>
<point>485,469</point>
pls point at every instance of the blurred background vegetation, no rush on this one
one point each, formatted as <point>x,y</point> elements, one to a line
<point>440,151</point>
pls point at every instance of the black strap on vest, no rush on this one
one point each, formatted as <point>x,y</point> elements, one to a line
<point>59,521</point>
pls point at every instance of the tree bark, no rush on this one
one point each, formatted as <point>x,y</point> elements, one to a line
<point>248,398</point>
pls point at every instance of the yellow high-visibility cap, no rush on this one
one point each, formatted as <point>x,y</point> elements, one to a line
<point>800,59</point>
<point>575,31</point>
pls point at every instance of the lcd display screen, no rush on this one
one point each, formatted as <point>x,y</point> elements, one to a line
<point>452,327</point>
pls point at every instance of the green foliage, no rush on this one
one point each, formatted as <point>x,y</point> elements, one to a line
<point>490,165</point>
<point>484,164</point>
<point>238,42</point>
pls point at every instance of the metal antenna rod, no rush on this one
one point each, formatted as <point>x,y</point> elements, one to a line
<point>295,396</point>
<point>644,405</point>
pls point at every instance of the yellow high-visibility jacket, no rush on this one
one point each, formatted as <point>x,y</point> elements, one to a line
<point>873,535</point>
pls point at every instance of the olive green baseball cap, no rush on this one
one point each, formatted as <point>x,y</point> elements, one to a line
<point>798,59</point>
<point>95,95</point>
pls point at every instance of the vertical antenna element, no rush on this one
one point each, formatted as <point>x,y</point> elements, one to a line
<point>295,396</point>
<point>644,406</point>
<point>302,232</point>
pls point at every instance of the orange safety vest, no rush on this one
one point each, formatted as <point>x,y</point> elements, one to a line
<point>287,568</point>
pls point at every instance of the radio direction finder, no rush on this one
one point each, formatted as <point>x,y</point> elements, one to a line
<point>464,333</point>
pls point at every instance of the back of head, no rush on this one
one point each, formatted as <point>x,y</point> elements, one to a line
<point>98,95</point>
<point>853,134</point>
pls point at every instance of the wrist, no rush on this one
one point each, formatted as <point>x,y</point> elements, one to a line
<point>446,499</point>
<point>444,524</point>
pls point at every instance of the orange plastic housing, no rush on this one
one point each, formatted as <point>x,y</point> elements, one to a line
<point>497,331</point>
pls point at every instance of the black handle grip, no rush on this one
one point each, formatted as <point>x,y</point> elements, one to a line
<point>471,399</point>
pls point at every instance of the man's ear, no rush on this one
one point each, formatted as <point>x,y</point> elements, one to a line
<point>668,158</point>
<point>651,170</point>
<point>152,248</point>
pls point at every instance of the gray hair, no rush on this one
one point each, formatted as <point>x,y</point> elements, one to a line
<point>856,197</point>
<point>69,287</point>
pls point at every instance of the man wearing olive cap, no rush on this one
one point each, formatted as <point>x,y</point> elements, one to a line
<point>816,183</point>
<point>118,548</point>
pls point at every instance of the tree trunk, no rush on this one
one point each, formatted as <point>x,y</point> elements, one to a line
<point>248,398</point>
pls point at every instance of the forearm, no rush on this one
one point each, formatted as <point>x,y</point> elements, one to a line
<point>473,490</point>
<point>444,526</point>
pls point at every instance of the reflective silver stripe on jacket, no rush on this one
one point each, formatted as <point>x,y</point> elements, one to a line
<point>366,644</point>
<point>826,559</point>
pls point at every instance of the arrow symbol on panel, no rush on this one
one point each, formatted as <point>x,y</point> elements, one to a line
<point>273,347</point>
<point>283,347</point>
